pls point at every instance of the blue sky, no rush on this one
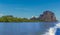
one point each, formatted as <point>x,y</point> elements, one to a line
<point>29,8</point>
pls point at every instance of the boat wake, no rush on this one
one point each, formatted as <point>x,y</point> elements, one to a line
<point>52,30</point>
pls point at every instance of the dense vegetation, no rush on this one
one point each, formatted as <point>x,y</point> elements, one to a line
<point>15,19</point>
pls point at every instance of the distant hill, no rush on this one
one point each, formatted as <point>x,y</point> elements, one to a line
<point>48,16</point>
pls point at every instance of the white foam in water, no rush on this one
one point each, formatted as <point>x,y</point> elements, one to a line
<point>52,30</point>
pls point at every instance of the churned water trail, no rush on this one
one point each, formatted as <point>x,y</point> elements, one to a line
<point>53,30</point>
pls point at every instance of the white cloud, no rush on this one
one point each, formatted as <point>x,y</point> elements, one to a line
<point>1,14</point>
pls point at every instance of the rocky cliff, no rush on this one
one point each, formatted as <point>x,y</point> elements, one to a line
<point>46,16</point>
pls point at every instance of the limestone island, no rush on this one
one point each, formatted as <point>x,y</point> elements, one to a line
<point>46,16</point>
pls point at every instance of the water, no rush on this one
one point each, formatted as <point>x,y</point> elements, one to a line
<point>29,28</point>
<point>58,32</point>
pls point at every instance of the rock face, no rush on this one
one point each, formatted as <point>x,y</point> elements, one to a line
<point>33,18</point>
<point>47,16</point>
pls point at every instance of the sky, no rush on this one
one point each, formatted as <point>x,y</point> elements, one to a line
<point>29,8</point>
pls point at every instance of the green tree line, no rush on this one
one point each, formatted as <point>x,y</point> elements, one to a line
<point>10,18</point>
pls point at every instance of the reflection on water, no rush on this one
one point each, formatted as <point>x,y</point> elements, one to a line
<point>25,28</point>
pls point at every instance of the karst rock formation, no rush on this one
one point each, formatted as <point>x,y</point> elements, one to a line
<point>46,16</point>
